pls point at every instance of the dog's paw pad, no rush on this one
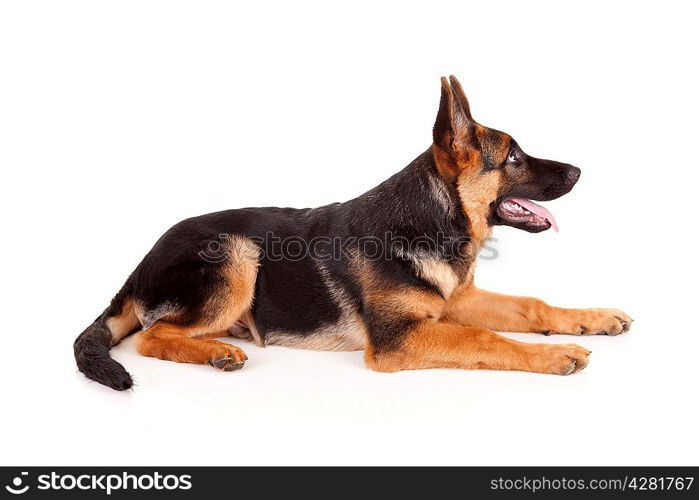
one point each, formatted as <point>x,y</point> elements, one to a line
<point>227,364</point>
<point>227,357</point>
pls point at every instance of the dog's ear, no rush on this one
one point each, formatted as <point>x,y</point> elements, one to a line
<point>454,130</point>
<point>460,97</point>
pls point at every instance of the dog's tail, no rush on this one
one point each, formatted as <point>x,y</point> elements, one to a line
<point>92,346</point>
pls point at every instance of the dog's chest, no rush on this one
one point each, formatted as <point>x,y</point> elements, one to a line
<point>438,273</point>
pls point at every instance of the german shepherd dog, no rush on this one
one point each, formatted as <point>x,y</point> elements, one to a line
<point>407,298</point>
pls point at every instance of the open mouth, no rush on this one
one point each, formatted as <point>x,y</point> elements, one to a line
<point>522,211</point>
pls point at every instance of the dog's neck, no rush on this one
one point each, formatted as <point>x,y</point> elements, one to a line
<point>415,204</point>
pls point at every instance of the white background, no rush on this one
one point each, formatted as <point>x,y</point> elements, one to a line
<point>117,119</point>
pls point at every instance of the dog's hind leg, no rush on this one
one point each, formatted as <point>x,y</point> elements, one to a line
<point>184,334</point>
<point>179,343</point>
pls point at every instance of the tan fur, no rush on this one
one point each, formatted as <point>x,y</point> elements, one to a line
<point>477,191</point>
<point>165,339</point>
<point>124,323</point>
<point>411,302</point>
<point>175,343</point>
<point>232,302</point>
<point>471,306</point>
<point>435,340</point>
<point>449,329</point>
<point>439,273</point>
<point>445,345</point>
<point>399,301</point>
<point>240,271</point>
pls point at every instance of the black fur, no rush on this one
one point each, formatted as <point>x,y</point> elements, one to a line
<point>289,295</point>
<point>418,204</point>
<point>91,350</point>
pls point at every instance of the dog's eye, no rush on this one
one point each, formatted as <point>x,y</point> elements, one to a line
<point>512,156</point>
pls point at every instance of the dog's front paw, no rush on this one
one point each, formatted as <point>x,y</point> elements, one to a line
<point>559,359</point>
<point>590,322</point>
<point>604,322</point>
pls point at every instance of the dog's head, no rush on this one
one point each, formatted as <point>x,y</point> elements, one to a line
<point>495,179</point>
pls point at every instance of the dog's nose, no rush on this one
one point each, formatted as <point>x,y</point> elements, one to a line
<point>573,173</point>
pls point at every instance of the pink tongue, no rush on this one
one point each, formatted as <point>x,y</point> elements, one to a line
<point>537,210</point>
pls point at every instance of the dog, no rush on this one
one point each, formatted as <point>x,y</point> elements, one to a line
<point>390,272</point>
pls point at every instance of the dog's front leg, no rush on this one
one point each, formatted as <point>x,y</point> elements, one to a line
<point>471,306</point>
<point>432,344</point>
